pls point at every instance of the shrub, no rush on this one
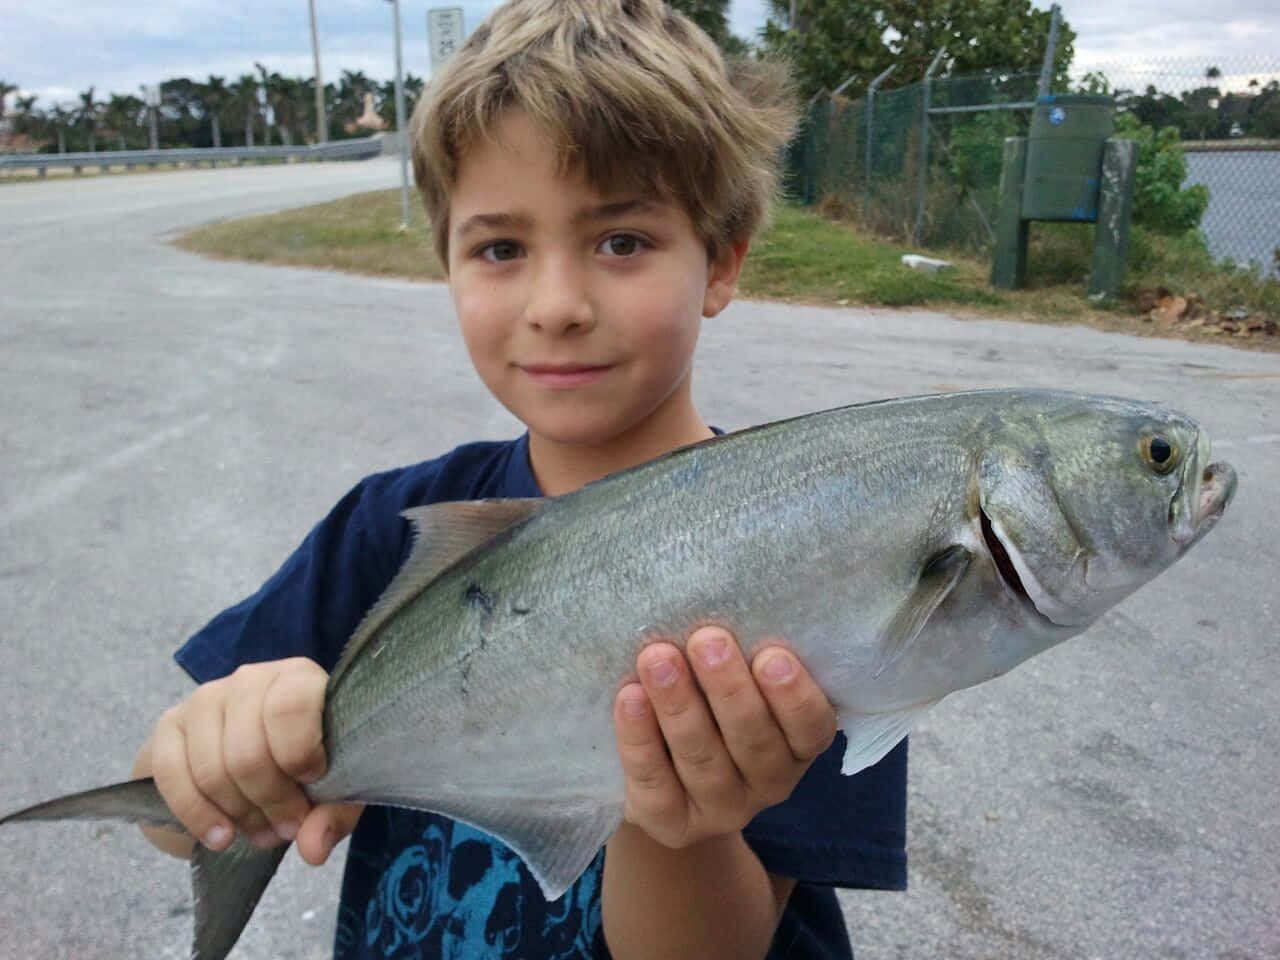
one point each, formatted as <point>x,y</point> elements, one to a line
<point>1160,202</point>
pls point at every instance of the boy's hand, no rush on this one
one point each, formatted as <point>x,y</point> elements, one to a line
<point>704,751</point>
<point>234,754</point>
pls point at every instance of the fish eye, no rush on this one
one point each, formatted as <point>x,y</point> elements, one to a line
<point>1160,453</point>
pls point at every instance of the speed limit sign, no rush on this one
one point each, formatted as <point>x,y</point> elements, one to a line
<point>445,32</point>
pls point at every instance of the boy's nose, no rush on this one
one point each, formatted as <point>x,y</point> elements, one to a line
<point>557,300</point>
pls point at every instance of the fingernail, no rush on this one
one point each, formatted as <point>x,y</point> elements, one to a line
<point>287,831</point>
<point>264,839</point>
<point>662,672</point>
<point>713,650</point>
<point>634,705</point>
<point>778,668</point>
<point>217,837</point>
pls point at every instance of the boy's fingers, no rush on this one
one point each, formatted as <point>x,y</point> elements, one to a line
<point>697,751</point>
<point>278,805</point>
<point>804,713</point>
<point>327,825</point>
<point>292,714</point>
<point>204,726</point>
<point>200,816</point>
<point>750,732</point>
<point>654,794</point>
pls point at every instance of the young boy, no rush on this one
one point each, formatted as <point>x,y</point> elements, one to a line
<point>593,178</point>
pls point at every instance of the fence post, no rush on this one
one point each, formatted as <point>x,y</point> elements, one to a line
<point>871,135</point>
<point>1050,51</point>
<point>924,145</point>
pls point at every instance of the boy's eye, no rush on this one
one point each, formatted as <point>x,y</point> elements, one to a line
<point>500,250</point>
<point>621,245</point>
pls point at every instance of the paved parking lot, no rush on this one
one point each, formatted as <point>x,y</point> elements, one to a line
<point>171,426</point>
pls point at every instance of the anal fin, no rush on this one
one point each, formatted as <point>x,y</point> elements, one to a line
<point>870,736</point>
<point>556,837</point>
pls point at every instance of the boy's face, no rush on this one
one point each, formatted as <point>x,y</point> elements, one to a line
<point>580,311</point>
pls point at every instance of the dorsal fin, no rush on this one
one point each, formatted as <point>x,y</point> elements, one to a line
<point>443,533</point>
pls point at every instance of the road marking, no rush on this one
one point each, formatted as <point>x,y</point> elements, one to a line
<point>68,485</point>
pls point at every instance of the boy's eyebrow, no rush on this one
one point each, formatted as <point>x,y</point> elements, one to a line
<point>606,210</point>
<point>523,221</point>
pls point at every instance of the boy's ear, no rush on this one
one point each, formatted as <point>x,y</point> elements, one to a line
<point>722,277</point>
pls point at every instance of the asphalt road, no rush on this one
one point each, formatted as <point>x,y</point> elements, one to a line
<point>171,426</point>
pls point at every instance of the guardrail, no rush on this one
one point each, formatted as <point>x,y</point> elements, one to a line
<point>105,159</point>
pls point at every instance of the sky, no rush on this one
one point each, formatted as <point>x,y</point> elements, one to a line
<point>57,48</point>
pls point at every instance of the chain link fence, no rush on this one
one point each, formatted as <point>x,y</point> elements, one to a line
<point>921,163</point>
<point>1227,112</point>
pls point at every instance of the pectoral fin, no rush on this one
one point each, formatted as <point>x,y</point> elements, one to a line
<point>938,577</point>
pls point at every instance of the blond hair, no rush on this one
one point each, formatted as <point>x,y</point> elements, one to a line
<point>633,94</point>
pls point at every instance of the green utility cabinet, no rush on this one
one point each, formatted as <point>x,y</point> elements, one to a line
<point>1068,168</point>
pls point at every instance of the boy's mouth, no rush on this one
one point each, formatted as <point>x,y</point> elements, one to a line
<point>563,376</point>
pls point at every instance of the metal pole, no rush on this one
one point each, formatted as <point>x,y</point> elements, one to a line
<point>401,133</point>
<point>871,133</point>
<point>322,119</point>
<point>924,145</point>
<point>1050,51</point>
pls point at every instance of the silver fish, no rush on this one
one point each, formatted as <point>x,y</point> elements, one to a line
<point>904,549</point>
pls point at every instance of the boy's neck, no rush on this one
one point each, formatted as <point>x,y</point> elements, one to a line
<point>562,467</point>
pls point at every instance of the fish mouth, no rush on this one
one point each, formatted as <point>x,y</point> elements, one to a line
<point>1205,490</point>
<point>1006,569</point>
<point>1217,488</point>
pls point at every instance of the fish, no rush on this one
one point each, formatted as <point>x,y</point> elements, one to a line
<point>903,549</point>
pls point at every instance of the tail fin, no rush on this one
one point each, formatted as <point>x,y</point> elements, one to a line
<point>226,885</point>
<point>137,801</point>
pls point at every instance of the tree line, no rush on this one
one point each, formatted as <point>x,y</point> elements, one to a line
<point>1206,113</point>
<point>257,109</point>
<point>830,44</point>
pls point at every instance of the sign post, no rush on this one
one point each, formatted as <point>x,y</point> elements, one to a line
<point>151,97</point>
<point>402,134</point>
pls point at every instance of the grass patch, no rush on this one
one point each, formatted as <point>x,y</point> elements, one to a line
<point>801,258</point>
<point>358,234</point>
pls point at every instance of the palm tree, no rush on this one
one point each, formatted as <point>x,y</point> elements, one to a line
<point>244,98</point>
<point>271,93</point>
<point>215,96</point>
<point>351,90</point>
<point>6,88</point>
<point>88,112</point>
<point>62,116</point>
<point>387,98</point>
<point>26,114</point>
<point>290,105</point>
<point>121,115</point>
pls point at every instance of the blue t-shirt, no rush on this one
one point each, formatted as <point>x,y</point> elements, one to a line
<point>422,885</point>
